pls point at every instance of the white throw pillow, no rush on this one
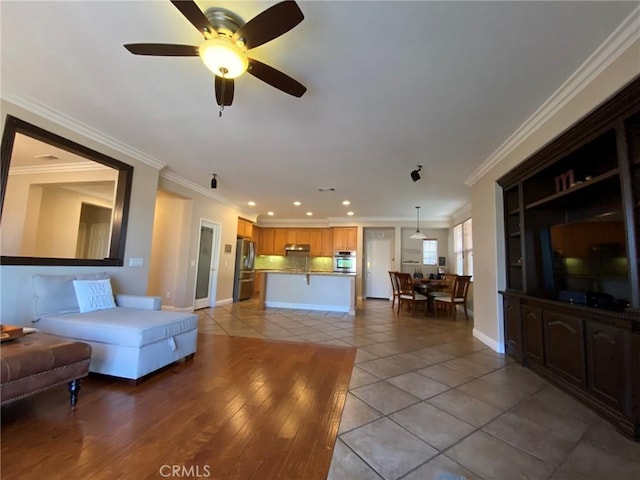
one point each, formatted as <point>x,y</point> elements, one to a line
<point>94,295</point>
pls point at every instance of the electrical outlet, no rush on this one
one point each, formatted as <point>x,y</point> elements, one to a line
<point>167,294</point>
<point>135,262</point>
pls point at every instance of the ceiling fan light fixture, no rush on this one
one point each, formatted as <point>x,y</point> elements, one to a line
<point>223,57</point>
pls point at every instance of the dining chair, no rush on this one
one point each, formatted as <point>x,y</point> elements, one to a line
<point>407,293</point>
<point>458,296</point>
<point>394,287</point>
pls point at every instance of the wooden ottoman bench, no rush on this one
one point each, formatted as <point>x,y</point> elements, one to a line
<point>35,362</point>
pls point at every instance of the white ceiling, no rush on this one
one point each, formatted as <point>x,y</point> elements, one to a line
<point>390,85</point>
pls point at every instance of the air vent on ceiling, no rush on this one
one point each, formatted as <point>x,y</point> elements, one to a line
<point>46,156</point>
<point>326,189</point>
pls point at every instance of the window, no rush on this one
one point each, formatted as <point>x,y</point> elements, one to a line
<point>463,248</point>
<point>430,252</point>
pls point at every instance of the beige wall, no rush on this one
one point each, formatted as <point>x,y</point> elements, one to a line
<point>169,256</point>
<point>486,197</point>
<point>205,208</point>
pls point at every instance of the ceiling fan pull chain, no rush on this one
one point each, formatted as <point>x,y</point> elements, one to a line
<point>223,70</point>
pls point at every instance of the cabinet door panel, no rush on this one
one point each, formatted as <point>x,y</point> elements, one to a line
<point>327,242</point>
<point>605,363</point>
<point>513,327</point>
<point>280,240</point>
<point>533,333</point>
<point>266,241</point>
<point>564,346</point>
<point>315,241</point>
<point>303,236</point>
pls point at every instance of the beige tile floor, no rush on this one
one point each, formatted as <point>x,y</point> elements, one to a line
<point>429,401</point>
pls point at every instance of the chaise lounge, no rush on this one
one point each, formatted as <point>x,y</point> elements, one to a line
<point>130,336</point>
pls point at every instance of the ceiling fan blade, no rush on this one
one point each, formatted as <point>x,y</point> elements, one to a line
<point>224,90</point>
<point>192,12</point>
<point>270,24</point>
<point>276,78</point>
<point>162,49</point>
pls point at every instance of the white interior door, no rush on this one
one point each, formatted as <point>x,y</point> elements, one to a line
<point>206,265</point>
<point>377,265</point>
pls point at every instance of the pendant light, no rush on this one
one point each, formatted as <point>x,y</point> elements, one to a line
<point>418,235</point>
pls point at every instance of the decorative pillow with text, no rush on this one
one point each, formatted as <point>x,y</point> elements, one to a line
<point>94,295</point>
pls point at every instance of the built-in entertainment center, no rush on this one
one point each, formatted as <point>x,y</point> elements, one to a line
<point>572,297</point>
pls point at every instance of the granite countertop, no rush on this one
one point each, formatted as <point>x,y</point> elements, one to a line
<point>311,272</point>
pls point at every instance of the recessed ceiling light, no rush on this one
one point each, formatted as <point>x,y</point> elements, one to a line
<point>309,214</point>
<point>252,204</point>
<point>350,213</point>
<point>346,202</point>
<point>270,214</point>
<point>297,204</point>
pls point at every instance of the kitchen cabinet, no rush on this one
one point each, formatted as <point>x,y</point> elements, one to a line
<point>345,238</point>
<point>259,284</point>
<point>281,238</point>
<point>315,242</point>
<point>303,235</point>
<point>245,229</point>
<point>327,242</point>
<point>273,240</point>
<point>266,240</point>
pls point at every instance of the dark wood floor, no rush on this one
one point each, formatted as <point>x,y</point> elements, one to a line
<point>244,408</point>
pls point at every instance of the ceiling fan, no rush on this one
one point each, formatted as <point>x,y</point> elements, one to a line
<point>226,41</point>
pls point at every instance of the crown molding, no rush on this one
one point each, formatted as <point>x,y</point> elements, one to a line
<point>199,189</point>
<point>464,210</point>
<point>66,168</point>
<point>615,45</point>
<point>80,128</point>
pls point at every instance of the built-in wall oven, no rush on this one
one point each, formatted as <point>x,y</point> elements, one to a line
<point>344,261</point>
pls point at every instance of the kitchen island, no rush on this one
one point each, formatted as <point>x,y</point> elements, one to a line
<point>324,291</point>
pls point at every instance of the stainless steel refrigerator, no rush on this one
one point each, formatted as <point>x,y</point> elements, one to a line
<point>245,273</point>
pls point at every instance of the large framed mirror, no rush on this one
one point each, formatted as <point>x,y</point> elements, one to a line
<point>61,203</point>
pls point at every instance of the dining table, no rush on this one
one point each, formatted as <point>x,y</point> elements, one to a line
<point>426,286</point>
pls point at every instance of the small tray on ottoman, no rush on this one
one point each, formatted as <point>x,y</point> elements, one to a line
<point>8,332</point>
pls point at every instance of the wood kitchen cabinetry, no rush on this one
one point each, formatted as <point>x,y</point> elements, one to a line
<point>266,241</point>
<point>571,306</point>
<point>273,240</point>
<point>245,229</point>
<point>345,238</point>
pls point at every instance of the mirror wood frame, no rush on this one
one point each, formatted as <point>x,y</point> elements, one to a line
<point>122,198</point>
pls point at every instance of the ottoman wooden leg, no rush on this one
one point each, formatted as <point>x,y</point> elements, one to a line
<point>74,389</point>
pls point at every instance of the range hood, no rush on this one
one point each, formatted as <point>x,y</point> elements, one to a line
<point>297,247</point>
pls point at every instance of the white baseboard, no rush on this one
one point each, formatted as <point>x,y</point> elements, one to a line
<point>224,301</point>
<point>488,341</point>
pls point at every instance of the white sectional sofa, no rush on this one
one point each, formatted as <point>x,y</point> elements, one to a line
<point>129,340</point>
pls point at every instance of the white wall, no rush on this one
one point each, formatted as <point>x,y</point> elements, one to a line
<point>486,197</point>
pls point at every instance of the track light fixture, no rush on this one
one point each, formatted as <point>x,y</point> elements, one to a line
<point>415,175</point>
<point>214,181</point>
